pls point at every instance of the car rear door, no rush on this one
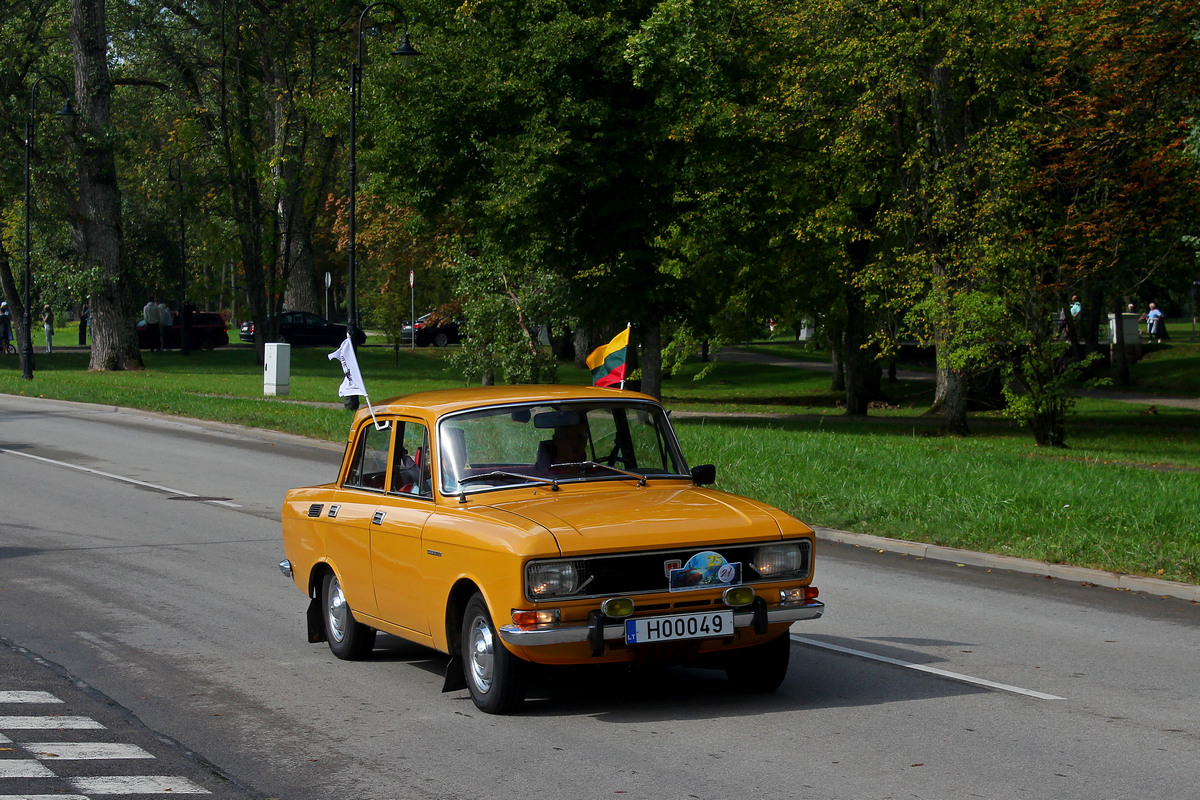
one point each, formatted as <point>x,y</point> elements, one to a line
<point>396,547</point>
<point>352,514</point>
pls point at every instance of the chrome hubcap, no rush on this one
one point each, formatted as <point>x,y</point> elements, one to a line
<point>338,612</point>
<point>482,655</point>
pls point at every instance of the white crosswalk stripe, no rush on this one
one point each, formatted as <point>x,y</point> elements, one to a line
<point>48,723</point>
<point>23,768</point>
<point>67,751</point>
<point>28,697</point>
<point>135,784</point>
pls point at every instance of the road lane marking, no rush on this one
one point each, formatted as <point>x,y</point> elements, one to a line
<point>136,784</point>
<point>23,768</point>
<point>121,478</point>
<point>72,751</point>
<point>954,676</point>
<point>28,697</point>
<point>48,723</point>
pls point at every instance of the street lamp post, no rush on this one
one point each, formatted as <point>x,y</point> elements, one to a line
<point>404,49</point>
<point>30,125</point>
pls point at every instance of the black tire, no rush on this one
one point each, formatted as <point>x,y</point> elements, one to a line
<point>440,339</point>
<point>495,677</point>
<point>760,669</point>
<point>348,639</point>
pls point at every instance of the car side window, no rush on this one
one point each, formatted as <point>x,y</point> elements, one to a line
<point>369,468</point>
<point>410,460</point>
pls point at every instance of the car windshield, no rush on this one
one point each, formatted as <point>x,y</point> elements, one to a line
<point>556,442</point>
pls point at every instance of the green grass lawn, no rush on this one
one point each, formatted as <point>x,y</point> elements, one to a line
<point>1124,496</point>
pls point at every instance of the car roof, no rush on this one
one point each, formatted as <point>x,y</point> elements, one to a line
<point>440,402</point>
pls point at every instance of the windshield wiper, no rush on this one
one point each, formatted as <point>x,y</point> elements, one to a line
<point>641,479</point>
<point>500,473</point>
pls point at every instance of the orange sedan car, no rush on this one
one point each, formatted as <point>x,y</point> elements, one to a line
<point>543,524</point>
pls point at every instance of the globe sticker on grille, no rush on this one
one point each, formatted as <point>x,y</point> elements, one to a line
<point>704,571</point>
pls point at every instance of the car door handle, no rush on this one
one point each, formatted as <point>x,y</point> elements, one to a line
<point>378,518</point>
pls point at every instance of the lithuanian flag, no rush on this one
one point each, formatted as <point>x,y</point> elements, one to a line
<point>607,362</point>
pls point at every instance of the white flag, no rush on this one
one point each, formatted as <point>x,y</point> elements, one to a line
<point>353,384</point>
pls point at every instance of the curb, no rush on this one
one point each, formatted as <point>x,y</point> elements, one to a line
<point>1097,577</point>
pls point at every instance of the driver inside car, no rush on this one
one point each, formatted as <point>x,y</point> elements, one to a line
<point>568,445</point>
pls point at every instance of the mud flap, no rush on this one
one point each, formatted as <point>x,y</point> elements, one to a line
<point>455,680</point>
<point>316,625</point>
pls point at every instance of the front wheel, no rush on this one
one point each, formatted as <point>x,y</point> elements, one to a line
<point>495,677</point>
<point>761,668</point>
<point>348,638</point>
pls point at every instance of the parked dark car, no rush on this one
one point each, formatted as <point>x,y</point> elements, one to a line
<point>431,330</point>
<point>208,331</point>
<point>305,329</point>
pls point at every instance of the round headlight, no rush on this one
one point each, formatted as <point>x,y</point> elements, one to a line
<point>553,579</point>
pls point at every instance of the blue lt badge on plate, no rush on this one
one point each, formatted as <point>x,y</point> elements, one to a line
<point>704,571</point>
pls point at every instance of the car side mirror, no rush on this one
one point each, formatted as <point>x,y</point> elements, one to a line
<point>704,474</point>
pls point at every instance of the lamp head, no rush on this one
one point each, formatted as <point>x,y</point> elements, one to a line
<point>405,48</point>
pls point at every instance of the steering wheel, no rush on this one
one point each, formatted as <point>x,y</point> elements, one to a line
<point>614,458</point>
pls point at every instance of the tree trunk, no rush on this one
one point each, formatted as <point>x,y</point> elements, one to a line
<point>582,345</point>
<point>241,167</point>
<point>297,263</point>
<point>854,356</point>
<point>16,307</point>
<point>652,358</point>
<point>1119,355</point>
<point>837,373</point>
<point>98,235</point>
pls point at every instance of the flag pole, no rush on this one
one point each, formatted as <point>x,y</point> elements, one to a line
<point>628,325</point>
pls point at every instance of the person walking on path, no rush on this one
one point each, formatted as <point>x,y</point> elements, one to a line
<point>48,327</point>
<point>1154,323</point>
<point>5,327</point>
<point>165,320</point>
<point>150,313</point>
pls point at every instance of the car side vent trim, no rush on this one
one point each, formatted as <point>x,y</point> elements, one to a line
<point>315,509</point>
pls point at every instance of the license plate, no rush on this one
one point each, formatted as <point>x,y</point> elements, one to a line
<point>679,626</point>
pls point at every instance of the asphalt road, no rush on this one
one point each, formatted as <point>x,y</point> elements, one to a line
<point>139,588</point>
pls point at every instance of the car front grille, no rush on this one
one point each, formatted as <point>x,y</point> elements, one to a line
<point>644,573</point>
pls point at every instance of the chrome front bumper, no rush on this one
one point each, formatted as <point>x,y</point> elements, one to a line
<point>607,629</point>
<point>285,567</point>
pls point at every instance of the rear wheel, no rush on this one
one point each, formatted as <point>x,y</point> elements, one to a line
<point>440,339</point>
<point>348,638</point>
<point>761,668</point>
<point>495,677</point>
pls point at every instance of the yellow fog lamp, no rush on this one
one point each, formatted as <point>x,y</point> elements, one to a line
<point>617,607</point>
<point>532,620</point>
<point>738,596</point>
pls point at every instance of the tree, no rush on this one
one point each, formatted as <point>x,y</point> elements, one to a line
<point>97,218</point>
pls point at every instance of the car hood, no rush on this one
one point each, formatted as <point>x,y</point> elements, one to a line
<point>585,520</point>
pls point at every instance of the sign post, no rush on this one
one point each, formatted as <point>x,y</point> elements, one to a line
<point>328,280</point>
<point>412,309</point>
